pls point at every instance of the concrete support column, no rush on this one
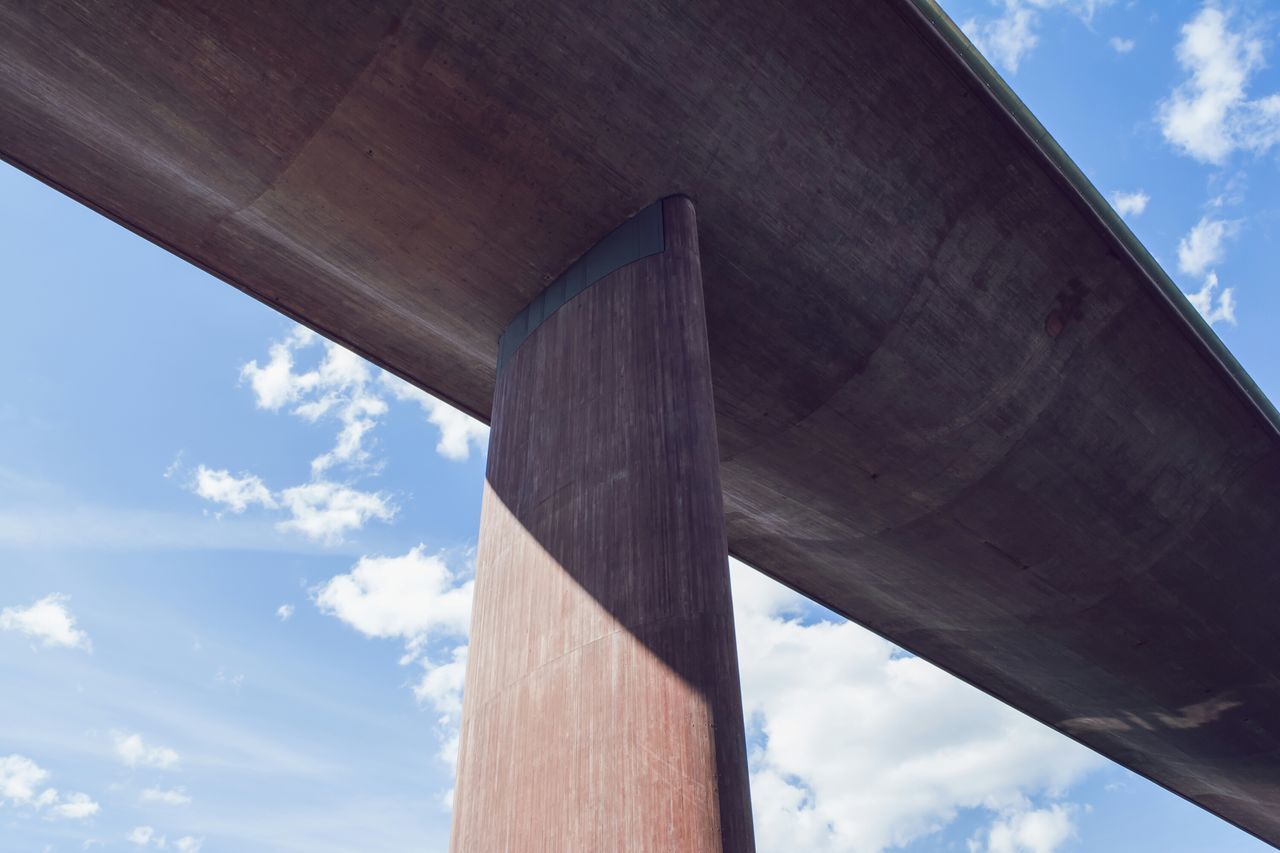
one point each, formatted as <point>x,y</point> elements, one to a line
<point>603,710</point>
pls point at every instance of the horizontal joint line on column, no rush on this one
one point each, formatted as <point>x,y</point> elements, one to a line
<point>619,628</point>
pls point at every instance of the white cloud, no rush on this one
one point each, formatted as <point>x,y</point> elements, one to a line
<point>407,597</point>
<point>459,432</point>
<point>1028,831</point>
<point>168,797</point>
<point>134,752</point>
<point>1203,245</point>
<point>831,706</point>
<point>321,510</point>
<point>276,384</point>
<point>175,466</point>
<point>1130,204</point>
<point>1122,45</point>
<point>236,493</point>
<point>342,387</point>
<point>1011,36</point>
<point>284,611</point>
<point>1201,248</point>
<point>441,686</point>
<point>335,388</point>
<point>359,416</point>
<point>236,680</point>
<point>326,511</point>
<point>22,784</point>
<point>20,777</point>
<point>75,806</point>
<point>1209,115</point>
<point>145,836</point>
<point>47,620</point>
<point>1005,40</point>
<point>413,598</point>
<point>1221,309</point>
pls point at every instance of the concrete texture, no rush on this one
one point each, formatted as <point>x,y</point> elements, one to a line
<point>603,709</point>
<point>950,403</point>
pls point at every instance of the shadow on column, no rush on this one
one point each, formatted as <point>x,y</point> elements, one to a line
<point>603,707</point>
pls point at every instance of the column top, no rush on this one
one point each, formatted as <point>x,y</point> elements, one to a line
<point>636,238</point>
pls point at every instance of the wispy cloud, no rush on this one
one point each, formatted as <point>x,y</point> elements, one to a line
<point>1009,38</point>
<point>134,752</point>
<point>166,796</point>
<point>146,836</point>
<point>1122,45</point>
<point>205,738</point>
<point>89,527</point>
<point>36,514</point>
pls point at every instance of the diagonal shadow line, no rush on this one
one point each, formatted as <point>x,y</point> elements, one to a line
<point>603,522</point>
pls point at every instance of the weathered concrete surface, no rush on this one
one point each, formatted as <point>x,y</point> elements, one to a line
<point>603,709</point>
<point>949,404</point>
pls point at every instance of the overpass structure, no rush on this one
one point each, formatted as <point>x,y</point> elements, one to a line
<point>950,396</point>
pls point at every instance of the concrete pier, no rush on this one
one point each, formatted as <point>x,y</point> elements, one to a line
<point>603,707</point>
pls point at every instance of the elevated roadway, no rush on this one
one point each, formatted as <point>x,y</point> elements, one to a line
<point>956,401</point>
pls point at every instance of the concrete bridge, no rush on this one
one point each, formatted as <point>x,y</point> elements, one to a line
<point>849,309</point>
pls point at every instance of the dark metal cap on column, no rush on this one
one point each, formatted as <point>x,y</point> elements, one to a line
<point>638,237</point>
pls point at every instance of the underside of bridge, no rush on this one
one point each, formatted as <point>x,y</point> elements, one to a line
<point>954,399</point>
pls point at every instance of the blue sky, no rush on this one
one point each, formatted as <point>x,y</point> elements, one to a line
<point>234,560</point>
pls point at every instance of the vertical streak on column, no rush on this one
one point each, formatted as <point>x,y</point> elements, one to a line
<point>603,710</point>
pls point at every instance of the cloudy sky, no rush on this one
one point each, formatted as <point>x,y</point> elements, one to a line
<point>235,560</point>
